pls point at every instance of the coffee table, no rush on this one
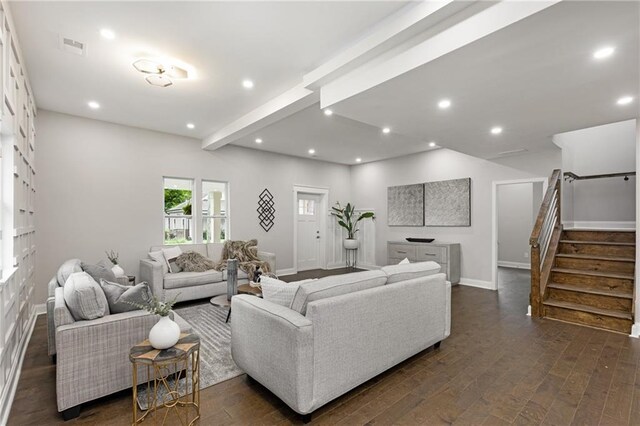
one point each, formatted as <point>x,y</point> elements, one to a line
<point>222,300</point>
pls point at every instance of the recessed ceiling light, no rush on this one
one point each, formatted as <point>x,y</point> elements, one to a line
<point>604,52</point>
<point>312,151</point>
<point>258,140</point>
<point>625,100</point>
<point>328,112</point>
<point>191,126</point>
<point>358,160</point>
<point>93,104</point>
<point>247,84</point>
<point>496,130</point>
<point>444,104</point>
<point>386,130</point>
<point>432,144</point>
<point>107,33</point>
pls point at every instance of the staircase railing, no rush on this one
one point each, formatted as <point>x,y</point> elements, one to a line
<point>544,241</point>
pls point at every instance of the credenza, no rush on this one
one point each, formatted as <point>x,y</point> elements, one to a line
<point>446,254</point>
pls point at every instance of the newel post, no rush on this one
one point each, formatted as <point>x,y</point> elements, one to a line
<point>534,297</point>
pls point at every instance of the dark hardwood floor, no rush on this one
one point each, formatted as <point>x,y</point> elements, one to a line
<point>497,367</point>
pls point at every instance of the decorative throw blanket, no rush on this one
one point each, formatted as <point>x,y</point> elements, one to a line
<point>247,254</point>
<point>194,262</point>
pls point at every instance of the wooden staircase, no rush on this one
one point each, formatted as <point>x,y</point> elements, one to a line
<point>591,279</point>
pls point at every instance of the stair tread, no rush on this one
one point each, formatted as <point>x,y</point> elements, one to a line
<point>596,257</point>
<point>603,243</point>
<point>600,230</point>
<point>590,309</point>
<point>600,292</point>
<point>620,275</point>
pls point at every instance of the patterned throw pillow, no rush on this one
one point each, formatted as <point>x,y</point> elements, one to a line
<point>171,255</point>
<point>84,297</point>
<point>120,297</point>
<point>98,272</point>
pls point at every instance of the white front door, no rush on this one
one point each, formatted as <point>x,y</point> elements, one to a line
<point>309,238</point>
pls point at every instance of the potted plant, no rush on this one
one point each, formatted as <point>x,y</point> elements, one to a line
<point>166,332</point>
<point>113,258</point>
<point>346,219</point>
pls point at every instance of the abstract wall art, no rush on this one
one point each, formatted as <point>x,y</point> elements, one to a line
<point>405,205</point>
<point>447,203</point>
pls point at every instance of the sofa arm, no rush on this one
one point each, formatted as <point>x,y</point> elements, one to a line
<point>274,345</point>
<point>270,258</point>
<point>61,314</point>
<point>51,287</point>
<point>51,326</point>
<point>151,272</point>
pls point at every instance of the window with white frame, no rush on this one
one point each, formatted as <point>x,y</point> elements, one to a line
<point>215,211</point>
<point>178,217</point>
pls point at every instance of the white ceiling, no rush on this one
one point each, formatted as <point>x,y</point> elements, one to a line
<point>534,78</point>
<point>272,43</point>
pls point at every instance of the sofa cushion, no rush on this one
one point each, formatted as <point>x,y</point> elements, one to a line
<point>403,272</point>
<point>120,297</point>
<point>198,248</point>
<point>171,255</point>
<point>242,275</point>
<point>157,256</point>
<point>214,251</point>
<point>277,291</point>
<point>334,286</point>
<point>188,279</point>
<point>99,272</point>
<point>84,297</point>
<point>68,268</point>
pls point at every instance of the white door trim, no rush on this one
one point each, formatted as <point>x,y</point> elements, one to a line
<point>324,209</point>
<point>494,219</point>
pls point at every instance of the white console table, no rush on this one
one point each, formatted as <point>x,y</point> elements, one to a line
<point>445,254</point>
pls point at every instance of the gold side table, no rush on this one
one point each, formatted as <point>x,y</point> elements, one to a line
<point>164,369</point>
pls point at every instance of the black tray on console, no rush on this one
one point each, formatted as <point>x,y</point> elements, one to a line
<point>420,240</point>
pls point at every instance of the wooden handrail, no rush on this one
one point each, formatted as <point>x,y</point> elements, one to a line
<point>554,182</point>
<point>570,176</point>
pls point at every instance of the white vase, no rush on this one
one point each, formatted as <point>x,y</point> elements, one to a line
<point>164,334</point>
<point>350,243</point>
<point>117,271</point>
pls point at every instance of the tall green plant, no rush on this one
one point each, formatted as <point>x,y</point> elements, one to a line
<point>345,218</point>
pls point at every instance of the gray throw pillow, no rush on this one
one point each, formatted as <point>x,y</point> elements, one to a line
<point>121,296</point>
<point>98,272</point>
<point>66,269</point>
<point>84,297</point>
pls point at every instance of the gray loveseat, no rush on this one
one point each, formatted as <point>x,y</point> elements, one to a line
<point>193,285</point>
<point>331,340</point>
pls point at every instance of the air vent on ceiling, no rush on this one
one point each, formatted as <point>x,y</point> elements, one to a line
<point>73,46</point>
<point>512,152</point>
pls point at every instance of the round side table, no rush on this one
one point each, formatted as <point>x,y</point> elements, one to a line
<point>164,370</point>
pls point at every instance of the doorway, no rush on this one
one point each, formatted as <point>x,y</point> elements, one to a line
<point>310,211</point>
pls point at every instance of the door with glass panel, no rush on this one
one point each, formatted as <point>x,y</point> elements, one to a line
<point>309,237</point>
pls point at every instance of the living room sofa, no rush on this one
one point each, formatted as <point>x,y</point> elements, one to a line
<point>340,331</point>
<point>193,285</point>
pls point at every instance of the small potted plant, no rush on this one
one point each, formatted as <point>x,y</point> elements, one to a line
<point>166,332</point>
<point>113,258</point>
<point>346,219</point>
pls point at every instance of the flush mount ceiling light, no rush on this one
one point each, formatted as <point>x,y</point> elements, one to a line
<point>312,151</point>
<point>328,112</point>
<point>358,160</point>
<point>604,52</point>
<point>386,130</point>
<point>191,126</point>
<point>432,144</point>
<point>247,84</point>
<point>107,33</point>
<point>625,100</point>
<point>93,104</point>
<point>444,104</point>
<point>258,140</point>
<point>496,130</point>
<point>160,73</point>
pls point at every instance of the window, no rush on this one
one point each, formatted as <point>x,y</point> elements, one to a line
<point>178,219</point>
<point>215,212</point>
<point>306,207</point>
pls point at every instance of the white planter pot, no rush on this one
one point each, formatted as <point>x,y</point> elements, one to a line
<point>164,334</point>
<point>117,271</point>
<point>350,244</point>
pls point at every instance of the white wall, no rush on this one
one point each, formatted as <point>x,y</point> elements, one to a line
<point>599,150</point>
<point>518,206</point>
<point>100,188</point>
<point>369,187</point>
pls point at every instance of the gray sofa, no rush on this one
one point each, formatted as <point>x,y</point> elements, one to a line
<point>333,340</point>
<point>93,356</point>
<point>193,285</point>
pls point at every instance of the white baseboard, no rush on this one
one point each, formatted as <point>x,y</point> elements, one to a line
<point>336,265</point>
<point>519,265</point>
<point>288,271</point>
<point>609,225</point>
<point>41,309</point>
<point>487,285</point>
<point>10,386</point>
<point>635,330</point>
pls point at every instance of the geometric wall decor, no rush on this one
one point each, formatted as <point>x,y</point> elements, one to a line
<point>405,205</point>
<point>266,210</point>
<point>447,203</point>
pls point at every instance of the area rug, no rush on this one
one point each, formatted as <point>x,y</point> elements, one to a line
<point>216,364</point>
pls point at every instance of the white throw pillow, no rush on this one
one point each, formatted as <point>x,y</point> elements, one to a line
<point>277,291</point>
<point>404,261</point>
<point>159,257</point>
<point>170,256</point>
<point>84,297</point>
